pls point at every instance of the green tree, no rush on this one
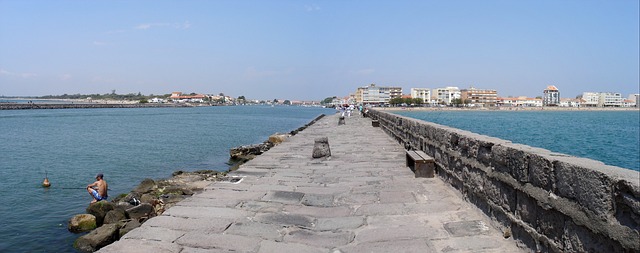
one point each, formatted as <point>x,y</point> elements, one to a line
<point>287,102</point>
<point>327,100</point>
<point>396,101</point>
<point>275,100</point>
<point>417,101</point>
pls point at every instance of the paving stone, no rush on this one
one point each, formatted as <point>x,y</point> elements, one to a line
<point>125,245</point>
<point>380,209</point>
<point>206,212</point>
<point>318,212</point>
<point>466,228</point>
<point>260,206</point>
<point>287,197</point>
<point>322,200</point>
<point>285,219</point>
<point>283,247</point>
<point>154,234</point>
<point>327,239</point>
<point>219,241</point>
<point>189,224</point>
<point>414,245</point>
<point>404,232</point>
<point>256,229</point>
<point>339,223</point>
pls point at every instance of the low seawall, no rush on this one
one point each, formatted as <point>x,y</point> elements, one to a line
<point>551,202</point>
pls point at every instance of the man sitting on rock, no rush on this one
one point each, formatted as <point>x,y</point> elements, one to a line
<point>98,190</point>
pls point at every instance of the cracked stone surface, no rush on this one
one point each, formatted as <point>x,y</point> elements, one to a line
<point>362,198</point>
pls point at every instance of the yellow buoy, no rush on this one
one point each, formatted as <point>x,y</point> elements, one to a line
<point>46,182</point>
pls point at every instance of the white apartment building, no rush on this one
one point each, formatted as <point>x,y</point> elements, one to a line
<point>373,94</point>
<point>447,94</point>
<point>590,99</point>
<point>635,98</point>
<point>423,93</point>
<point>610,99</point>
<point>602,99</point>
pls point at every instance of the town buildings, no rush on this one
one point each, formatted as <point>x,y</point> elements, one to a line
<point>423,93</point>
<point>479,97</point>
<point>376,95</point>
<point>446,95</point>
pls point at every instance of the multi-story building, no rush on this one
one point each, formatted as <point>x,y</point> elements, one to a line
<point>423,93</point>
<point>551,96</point>
<point>590,99</point>
<point>447,94</point>
<point>635,98</point>
<point>602,99</point>
<point>610,99</point>
<point>479,97</point>
<point>359,94</point>
<point>379,95</point>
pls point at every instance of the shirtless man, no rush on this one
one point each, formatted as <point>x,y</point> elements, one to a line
<point>98,190</point>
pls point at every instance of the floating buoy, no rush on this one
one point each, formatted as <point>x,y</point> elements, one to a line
<point>46,182</point>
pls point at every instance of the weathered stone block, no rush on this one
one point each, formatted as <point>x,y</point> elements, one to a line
<point>579,239</point>
<point>541,172</point>
<point>578,180</point>
<point>512,161</point>
<point>500,194</point>
<point>321,147</point>
<point>527,209</point>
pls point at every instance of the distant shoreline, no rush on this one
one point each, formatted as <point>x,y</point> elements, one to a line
<point>508,109</point>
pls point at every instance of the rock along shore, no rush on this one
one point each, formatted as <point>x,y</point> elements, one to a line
<point>109,221</point>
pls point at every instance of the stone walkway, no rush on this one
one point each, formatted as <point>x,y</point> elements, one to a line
<point>361,199</point>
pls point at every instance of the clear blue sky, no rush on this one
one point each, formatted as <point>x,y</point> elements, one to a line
<point>316,49</point>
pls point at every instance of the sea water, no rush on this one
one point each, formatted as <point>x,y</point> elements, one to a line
<point>70,146</point>
<point>612,137</point>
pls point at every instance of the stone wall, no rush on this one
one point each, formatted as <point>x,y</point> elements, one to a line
<point>548,201</point>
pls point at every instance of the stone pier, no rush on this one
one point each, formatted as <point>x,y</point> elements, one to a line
<point>362,198</point>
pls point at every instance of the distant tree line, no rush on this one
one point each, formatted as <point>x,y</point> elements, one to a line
<point>107,96</point>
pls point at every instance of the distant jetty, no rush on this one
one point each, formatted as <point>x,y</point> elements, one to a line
<point>25,106</point>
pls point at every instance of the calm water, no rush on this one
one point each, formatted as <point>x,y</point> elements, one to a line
<point>612,137</point>
<point>127,145</point>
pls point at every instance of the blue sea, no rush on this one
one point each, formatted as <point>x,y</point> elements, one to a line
<point>71,146</point>
<point>612,137</point>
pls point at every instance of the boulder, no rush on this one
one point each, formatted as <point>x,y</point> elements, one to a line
<point>82,223</point>
<point>97,238</point>
<point>114,216</point>
<point>99,210</point>
<point>141,211</point>
<point>321,147</point>
<point>278,138</point>
<point>147,185</point>
<point>128,227</point>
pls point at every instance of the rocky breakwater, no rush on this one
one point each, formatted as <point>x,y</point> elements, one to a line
<point>107,221</point>
<point>242,154</point>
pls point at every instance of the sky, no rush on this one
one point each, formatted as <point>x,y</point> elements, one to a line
<point>310,50</point>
